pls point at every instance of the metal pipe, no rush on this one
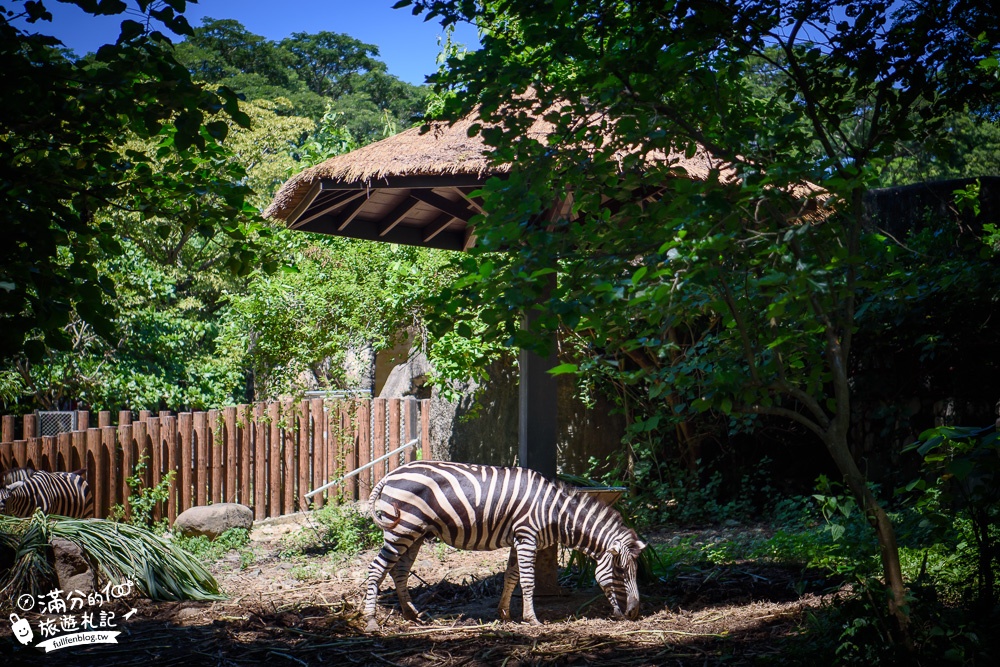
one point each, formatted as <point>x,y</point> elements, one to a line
<point>362,468</point>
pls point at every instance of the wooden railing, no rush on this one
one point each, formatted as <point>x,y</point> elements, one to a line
<point>265,455</point>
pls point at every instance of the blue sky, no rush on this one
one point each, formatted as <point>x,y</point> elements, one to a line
<point>406,43</point>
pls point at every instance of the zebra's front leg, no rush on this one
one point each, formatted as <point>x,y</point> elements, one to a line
<point>527,548</point>
<point>510,578</point>
<point>387,557</point>
<point>401,575</point>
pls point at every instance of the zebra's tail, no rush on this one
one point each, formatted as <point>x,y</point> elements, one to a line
<point>382,520</point>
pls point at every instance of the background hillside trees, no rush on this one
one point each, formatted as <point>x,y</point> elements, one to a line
<point>314,72</point>
<point>65,134</point>
<point>136,235</point>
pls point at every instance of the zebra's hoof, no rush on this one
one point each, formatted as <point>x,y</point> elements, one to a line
<point>372,625</point>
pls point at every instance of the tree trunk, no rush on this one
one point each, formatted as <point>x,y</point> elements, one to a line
<point>836,443</point>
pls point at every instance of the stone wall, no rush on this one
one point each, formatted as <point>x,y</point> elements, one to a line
<point>481,427</point>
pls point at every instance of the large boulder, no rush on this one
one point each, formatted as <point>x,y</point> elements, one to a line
<point>72,567</point>
<point>213,520</point>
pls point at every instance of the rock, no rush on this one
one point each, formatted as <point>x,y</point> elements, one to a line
<point>481,426</point>
<point>71,566</point>
<point>213,520</point>
<point>189,616</point>
<point>408,378</point>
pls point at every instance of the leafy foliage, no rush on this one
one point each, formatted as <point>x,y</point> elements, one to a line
<point>120,551</point>
<point>338,528</point>
<point>66,131</point>
<point>960,470</point>
<point>339,295</point>
<point>209,551</point>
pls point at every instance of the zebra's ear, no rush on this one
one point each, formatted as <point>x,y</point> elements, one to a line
<point>640,545</point>
<point>16,485</point>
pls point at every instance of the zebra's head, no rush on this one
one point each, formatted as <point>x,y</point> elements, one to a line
<point>616,573</point>
<point>6,492</point>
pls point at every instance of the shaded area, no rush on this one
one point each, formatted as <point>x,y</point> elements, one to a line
<point>735,614</point>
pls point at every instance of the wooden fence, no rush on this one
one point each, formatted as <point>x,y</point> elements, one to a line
<point>265,455</point>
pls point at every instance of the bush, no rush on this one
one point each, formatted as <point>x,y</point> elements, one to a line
<point>209,551</point>
<point>334,528</point>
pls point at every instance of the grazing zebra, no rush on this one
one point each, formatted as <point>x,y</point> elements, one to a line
<point>487,507</point>
<point>62,493</point>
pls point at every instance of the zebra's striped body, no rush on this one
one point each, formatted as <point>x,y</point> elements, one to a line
<point>487,507</point>
<point>62,493</point>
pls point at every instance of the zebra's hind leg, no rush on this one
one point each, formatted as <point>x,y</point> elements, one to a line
<point>527,548</point>
<point>387,557</point>
<point>401,575</point>
<point>510,578</point>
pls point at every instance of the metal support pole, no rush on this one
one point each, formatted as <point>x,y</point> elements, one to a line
<point>335,482</point>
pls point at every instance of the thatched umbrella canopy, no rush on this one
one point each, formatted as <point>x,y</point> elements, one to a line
<point>412,188</point>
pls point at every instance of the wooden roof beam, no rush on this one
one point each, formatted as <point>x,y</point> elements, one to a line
<point>437,226</point>
<point>397,215</point>
<point>443,204</point>
<point>474,202</point>
<point>349,213</point>
<point>335,202</point>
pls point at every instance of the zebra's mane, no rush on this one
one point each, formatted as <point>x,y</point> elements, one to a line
<point>589,504</point>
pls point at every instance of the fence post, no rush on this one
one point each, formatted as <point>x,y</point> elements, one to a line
<point>128,462</point>
<point>103,419</point>
<point>216,449</point>
<point>260,463</point>
<point>33,452</point>
<point>200,454</point>
<point>20,448</point>
<point>108,472</point>
<point>140,433</point>
<point>245,454</point>
<point>394,413</point>
<point>350,425</point>
<point>289,475</point>
<point>168,428</point>
<point>77,456</point>
<point>410,416</point>
<point>425,429</point>
<point>229,424</point>
<point>92,464</point>
<point>303,454</point>
<point>378,439</point>
<point>154,467</point>
<point>274,458</point>
<point>63,446</point>
<point>30,427</point>
<point>49,452</point>
<point>7,429</point>
<point>318,410</point>
<point>185,428</point>
<point>82,420</point>
<point>364,441</point>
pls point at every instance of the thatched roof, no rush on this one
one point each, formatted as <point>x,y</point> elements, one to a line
<point>439,150</point>
<point>416,187</point>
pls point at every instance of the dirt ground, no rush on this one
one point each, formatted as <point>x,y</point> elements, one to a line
<point>307,612</point>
